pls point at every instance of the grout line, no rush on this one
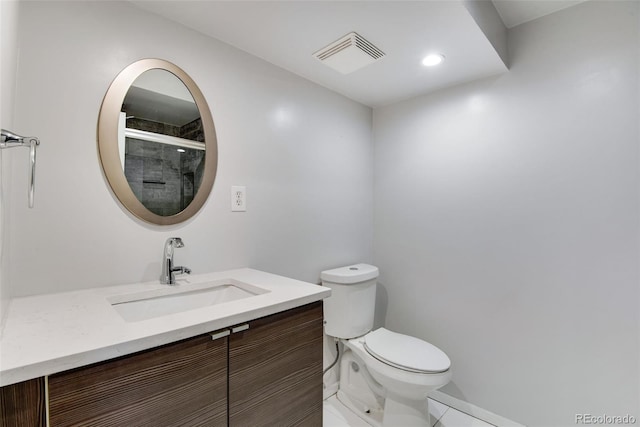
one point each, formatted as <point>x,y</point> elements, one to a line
<point>473,416</point>
<point>438,420</point>
<point>462,412</point>
<point>440,417</point>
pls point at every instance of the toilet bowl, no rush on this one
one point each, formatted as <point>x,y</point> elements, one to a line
<point>385,377</point>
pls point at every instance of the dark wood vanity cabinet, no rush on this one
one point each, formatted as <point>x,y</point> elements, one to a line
<point>267,375</point>
<point>275,370</point>
<point>183,383</point>
<point>23,404</point>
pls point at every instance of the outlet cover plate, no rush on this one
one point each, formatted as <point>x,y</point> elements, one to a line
<point>238,198</point>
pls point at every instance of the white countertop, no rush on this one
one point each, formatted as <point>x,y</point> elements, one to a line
<point>45,334</point>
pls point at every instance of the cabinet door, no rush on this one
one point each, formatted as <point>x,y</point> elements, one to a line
<point>275,370</point>
<point>180,384</point>
<point>22,404</point>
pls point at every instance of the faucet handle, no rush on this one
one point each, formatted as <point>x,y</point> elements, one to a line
<point>176,242</point>
<point>180,269</point>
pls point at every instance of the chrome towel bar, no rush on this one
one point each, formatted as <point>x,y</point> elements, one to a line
<point>10,140</point>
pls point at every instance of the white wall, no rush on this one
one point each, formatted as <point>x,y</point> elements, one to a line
<point>302,151</point>
<point>8,65</point>
<point>506,213</point>
<point>507,221</point>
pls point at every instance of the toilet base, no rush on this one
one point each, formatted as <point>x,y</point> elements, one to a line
<point>395,413</point>
<point>392,411</point>
<point>372,416</point>
<point>355,394</point>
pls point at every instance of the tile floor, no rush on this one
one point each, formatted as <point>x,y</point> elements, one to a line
<point>337,415</point>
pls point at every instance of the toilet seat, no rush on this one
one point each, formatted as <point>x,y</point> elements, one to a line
<point>406,352</point>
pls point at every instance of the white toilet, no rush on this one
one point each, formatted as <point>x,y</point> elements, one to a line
<point>385,377</point>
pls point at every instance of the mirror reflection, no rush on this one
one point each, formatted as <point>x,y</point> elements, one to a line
<point>161,142</point>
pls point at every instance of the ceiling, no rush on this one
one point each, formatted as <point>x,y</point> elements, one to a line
<point>516,12</point>
<point>160,96</point>
<point>287,33</point>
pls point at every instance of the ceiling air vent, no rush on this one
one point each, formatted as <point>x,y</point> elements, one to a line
<point>348,54</point>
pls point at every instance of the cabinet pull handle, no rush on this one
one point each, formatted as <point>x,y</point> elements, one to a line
<point>221,334</point>
<point>240,328</point>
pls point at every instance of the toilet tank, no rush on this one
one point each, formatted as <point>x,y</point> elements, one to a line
<point>348,312</point>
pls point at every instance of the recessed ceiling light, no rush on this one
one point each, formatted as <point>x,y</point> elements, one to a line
<point>181,150</point>
<point>433,59</point>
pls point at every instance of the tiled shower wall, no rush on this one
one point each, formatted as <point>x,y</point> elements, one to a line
<point>162,178</point>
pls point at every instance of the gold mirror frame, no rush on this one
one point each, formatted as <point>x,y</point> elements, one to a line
<point>108,142</point>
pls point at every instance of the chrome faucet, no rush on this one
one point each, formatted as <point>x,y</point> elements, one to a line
<point>168,269</point>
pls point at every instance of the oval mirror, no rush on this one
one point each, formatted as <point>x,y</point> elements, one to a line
<point>157,142</point>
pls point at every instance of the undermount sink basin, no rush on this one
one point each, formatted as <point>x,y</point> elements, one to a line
<point>162,302</point>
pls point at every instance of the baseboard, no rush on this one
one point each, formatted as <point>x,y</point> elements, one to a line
<point>473,410</point>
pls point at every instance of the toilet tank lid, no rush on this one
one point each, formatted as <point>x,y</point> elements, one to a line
<point>350,274</point>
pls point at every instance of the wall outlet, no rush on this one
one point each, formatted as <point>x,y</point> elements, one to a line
<point>238,198</point>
